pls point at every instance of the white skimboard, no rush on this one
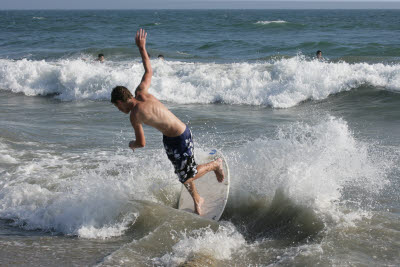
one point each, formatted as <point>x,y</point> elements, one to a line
<point>215,194</point>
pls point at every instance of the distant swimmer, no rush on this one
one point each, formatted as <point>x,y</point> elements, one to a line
<point>100,58</point>
<point>319,54</point>
<point>177,137</point>
<point>160,57</point>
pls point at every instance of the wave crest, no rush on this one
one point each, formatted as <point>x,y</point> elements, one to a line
<point>264,22</point>
<point>279,83</point>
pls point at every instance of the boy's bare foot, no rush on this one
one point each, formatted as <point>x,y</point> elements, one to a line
<point>219,172</point>
<point>197,206</point>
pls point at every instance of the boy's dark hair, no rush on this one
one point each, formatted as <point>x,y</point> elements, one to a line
<point>120,93</point>
<point>319,51</point>
<point>101,55</point>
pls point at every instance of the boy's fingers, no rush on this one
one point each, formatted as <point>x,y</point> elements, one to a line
<point>141,34</point>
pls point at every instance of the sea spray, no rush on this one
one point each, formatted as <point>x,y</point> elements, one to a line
<point>312,165</point>
<point>85,194</point>
<point>204,245</point>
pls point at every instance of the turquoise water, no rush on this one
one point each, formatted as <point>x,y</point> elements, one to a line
<point>313,145</point>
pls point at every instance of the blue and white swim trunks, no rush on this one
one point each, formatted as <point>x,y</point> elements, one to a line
<point>180,152</point>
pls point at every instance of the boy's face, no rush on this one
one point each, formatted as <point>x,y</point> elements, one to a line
<point>123,107</point>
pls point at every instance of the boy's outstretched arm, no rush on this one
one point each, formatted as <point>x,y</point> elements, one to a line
<point>140,40</point>
<point>139,133</point>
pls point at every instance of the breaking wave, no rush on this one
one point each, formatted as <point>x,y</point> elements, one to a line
<point>281,83</point>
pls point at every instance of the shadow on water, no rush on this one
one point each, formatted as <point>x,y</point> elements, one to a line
<point>280,219</point>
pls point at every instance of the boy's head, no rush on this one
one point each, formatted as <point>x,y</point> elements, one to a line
<point>319,54</point>
<point>120,96</point>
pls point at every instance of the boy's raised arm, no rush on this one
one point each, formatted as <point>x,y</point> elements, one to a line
<point>140,40</point>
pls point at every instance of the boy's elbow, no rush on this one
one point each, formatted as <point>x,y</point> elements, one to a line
<point>142,144</point>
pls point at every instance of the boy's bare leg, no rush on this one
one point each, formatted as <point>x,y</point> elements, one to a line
<point>215,166</point>
<point>202,169</point>
<point>197,199</point>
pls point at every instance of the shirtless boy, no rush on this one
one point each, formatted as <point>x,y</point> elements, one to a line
<point>177,137</point>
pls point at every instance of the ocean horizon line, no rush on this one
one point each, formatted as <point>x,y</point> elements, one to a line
<point>230,5</point>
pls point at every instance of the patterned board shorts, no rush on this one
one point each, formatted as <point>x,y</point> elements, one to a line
<point>180,152</point>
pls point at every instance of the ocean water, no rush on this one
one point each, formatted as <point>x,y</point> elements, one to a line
<point>313,145</point>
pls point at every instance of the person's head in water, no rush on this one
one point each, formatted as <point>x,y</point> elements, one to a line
<point>161,57</point>
<point>120,97</point>
<point>319,54</point>
<point>100,58</point>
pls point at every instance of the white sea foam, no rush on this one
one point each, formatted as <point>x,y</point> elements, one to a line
<point>86,195</point>
<point>283,83</point>
<point>219,245</point>
<point>8,159</point>
<point>110,230</point>
<point>264,22</point>
<point>313,164</point>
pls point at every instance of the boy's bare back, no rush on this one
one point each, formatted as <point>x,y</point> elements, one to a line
<point>150,111</point>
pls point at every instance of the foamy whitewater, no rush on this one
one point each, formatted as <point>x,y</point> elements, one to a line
<point>269,22</point>
<point>313,145</point>
<point>280,83</point>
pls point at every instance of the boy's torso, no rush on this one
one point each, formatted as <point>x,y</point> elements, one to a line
<point>152,112</point>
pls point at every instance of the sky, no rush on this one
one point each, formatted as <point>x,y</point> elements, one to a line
<point>197,4</point>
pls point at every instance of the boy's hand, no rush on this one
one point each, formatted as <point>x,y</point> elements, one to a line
<point>140,39</point>
<point>132,145</point>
